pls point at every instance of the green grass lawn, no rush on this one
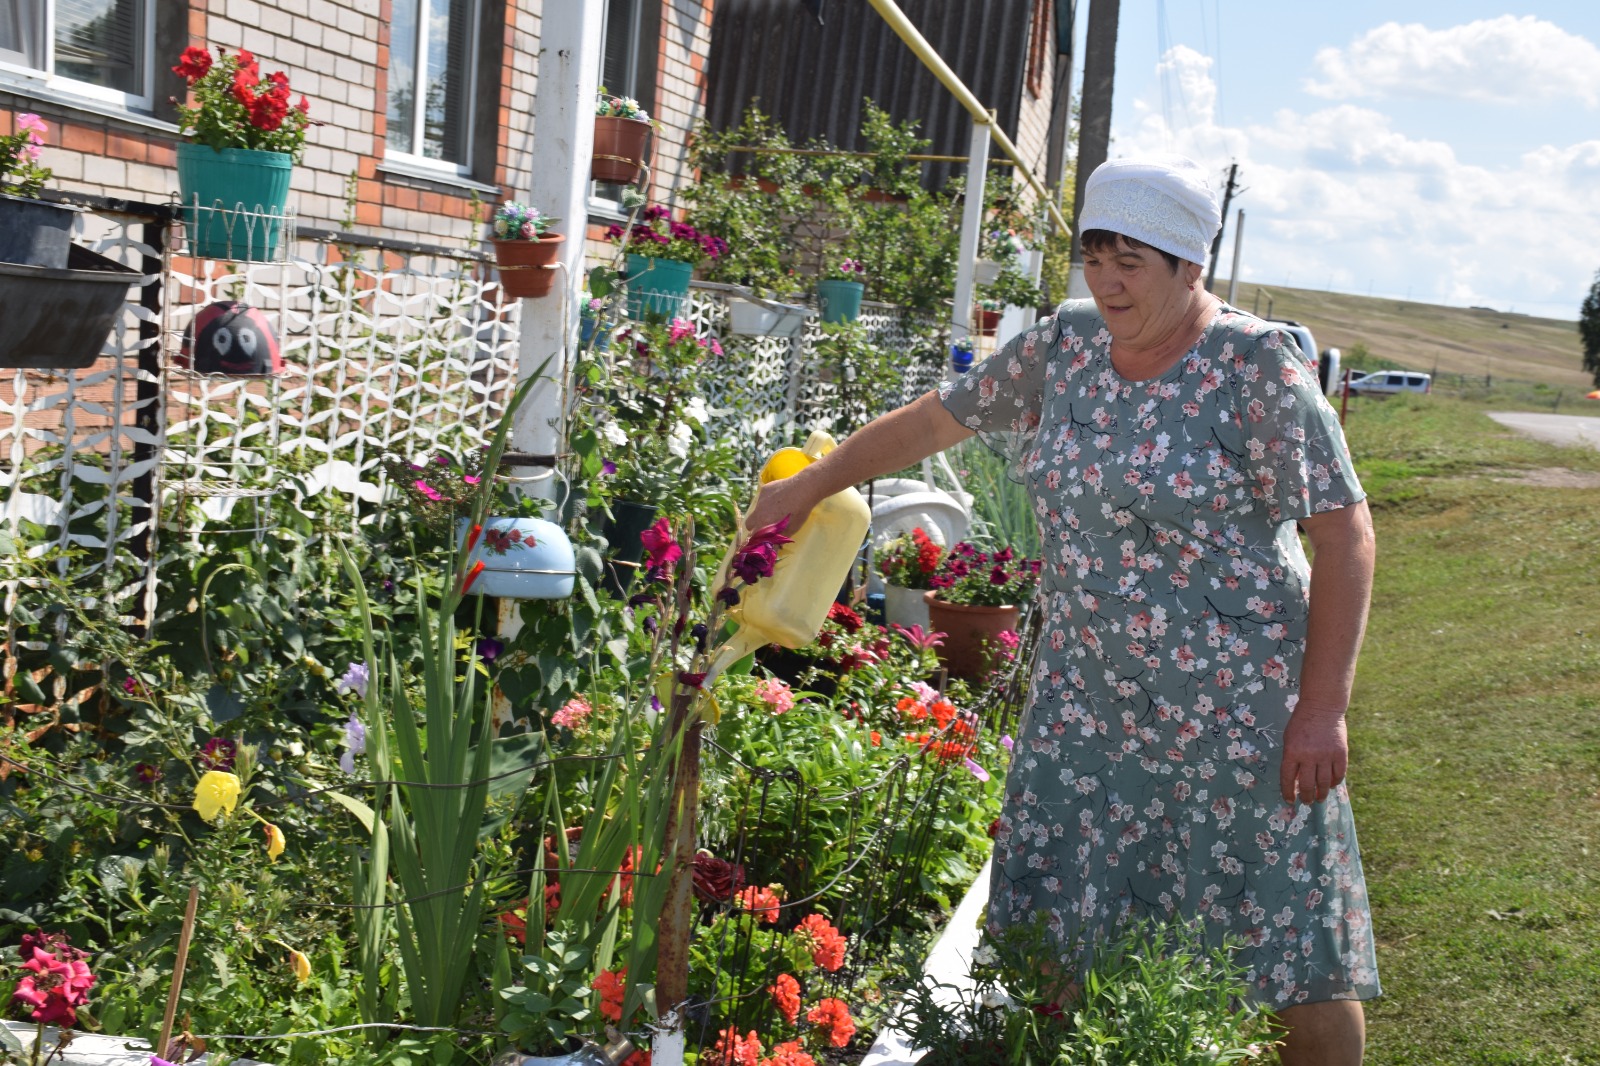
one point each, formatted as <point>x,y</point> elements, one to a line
<point>1475,733</point>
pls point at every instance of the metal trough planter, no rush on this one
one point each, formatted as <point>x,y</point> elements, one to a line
<point>59,319</point>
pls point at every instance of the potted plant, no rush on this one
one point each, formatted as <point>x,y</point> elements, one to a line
<point>242,137</point>
<point>752,316</point>
<point>524,249</point>
<point>839,293</point>
<point>621,129</point>
<point>975,597</point>
<point>989,312</point>
<point>662,255</point>
<point>32,231</point>
<point>961,355</point>
<point>908,565</point>
<point>60,298</point>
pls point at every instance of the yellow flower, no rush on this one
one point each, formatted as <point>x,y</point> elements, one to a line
<point>275,841</point>
<point>216,792</point>
<point>300,965</point>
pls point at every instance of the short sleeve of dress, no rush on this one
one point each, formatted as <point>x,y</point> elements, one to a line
<point>1002,398</point>
<point>1295,448</point>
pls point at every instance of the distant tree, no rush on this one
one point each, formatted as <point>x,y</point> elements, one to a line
<point>1589,329</point>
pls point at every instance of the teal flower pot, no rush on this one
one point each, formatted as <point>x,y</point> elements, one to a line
<point>657,286</point>
<point>840,300</point>
<point>237,189</point>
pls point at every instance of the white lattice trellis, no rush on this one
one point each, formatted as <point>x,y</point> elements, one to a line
<point>387,351</point>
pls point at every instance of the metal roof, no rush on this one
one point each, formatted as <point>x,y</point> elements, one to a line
<point>813,79</point>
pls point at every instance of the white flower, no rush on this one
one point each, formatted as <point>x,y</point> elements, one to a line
<point>613,433</point>
<point>696,409</point>
<point>994,999</point>
<point>985,955</point>
<point>679,440</point>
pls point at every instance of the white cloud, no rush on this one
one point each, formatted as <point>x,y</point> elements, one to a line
<point>1499,60</point>
<point>1339,197</point>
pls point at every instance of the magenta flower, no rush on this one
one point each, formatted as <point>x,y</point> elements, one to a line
<point>680,330</point>
<point>660,548</point>
<point>427,490</point>
<point>977,771</point>
<point>1007,743</point>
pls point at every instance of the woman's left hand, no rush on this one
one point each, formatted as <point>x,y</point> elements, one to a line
<point>1316,753</point>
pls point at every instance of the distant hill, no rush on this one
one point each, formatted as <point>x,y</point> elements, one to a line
<point>1419,336</point>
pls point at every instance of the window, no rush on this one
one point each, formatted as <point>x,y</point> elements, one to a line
<point>432,69</point>
<point>620,75</point>
<point>96,48</point>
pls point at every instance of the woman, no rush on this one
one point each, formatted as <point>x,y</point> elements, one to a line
<point>1184,748</point>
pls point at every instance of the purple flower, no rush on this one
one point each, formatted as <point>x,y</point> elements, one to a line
<point>756,558</point>
<point>977,771</point>
<point>354,680</point>
<point>728,596</point>
<point>1007,743</point>
<point>608,468</point>
<point>147,773</point>
<point>489,649</point>
<point>355,743</point>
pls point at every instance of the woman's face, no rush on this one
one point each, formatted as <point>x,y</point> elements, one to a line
<point>1142,299</point>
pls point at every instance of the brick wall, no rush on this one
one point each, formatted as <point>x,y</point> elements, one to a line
<point>336,52</point>
<point>683,50</point>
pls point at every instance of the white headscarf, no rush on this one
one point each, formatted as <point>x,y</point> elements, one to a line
<point>1163,201</point>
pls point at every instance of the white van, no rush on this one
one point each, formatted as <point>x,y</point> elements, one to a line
<point>1388,382</point>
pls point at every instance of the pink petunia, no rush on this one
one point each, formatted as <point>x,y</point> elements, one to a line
<point>428,490</point>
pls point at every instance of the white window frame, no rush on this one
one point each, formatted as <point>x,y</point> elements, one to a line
<point>143,100</point>
<point>416,160</point>
<point>601,205</point>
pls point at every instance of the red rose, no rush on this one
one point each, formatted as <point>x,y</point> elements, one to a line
<point>193,64</point>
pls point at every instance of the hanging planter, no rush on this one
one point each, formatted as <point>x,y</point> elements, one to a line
<point>621,130</point>
<point>523,559</point>
<point>59,319</point>
<point>619,149</point>
<point>243,137</point>
<point>657,286</point>
<point>234,201</point>
<point>525,251</point>
<point>967,630</point>
<point>988,322</point>
<point>840,301</point>
<point>764,318</point>
<point>35,232</point>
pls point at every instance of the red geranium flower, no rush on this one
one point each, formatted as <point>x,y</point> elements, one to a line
<point>832,1016</point>
<point>786,994</point>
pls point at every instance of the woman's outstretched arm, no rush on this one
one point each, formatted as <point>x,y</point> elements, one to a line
<point>888,443</point>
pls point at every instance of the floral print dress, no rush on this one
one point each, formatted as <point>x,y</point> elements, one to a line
<point>1175,591</point>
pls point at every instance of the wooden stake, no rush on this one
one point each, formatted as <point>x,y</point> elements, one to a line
<point>178,964</point>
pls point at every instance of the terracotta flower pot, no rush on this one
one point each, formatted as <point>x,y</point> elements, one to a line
<point>966,629</point>
<point>988,323</point>
<point>526,266</point>
<point>619,152</point>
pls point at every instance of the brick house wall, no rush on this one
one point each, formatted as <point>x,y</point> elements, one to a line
<point>336,52</point>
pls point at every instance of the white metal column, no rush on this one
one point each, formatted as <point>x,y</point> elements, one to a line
<point>563,140</point>
<point>971,227</point>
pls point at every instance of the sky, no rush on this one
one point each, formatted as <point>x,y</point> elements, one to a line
<point>1446,152</point>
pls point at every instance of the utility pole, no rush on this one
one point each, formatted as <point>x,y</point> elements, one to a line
<point>1094,130</point>
<point>1233,278</point>
<point>1216,242</point>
